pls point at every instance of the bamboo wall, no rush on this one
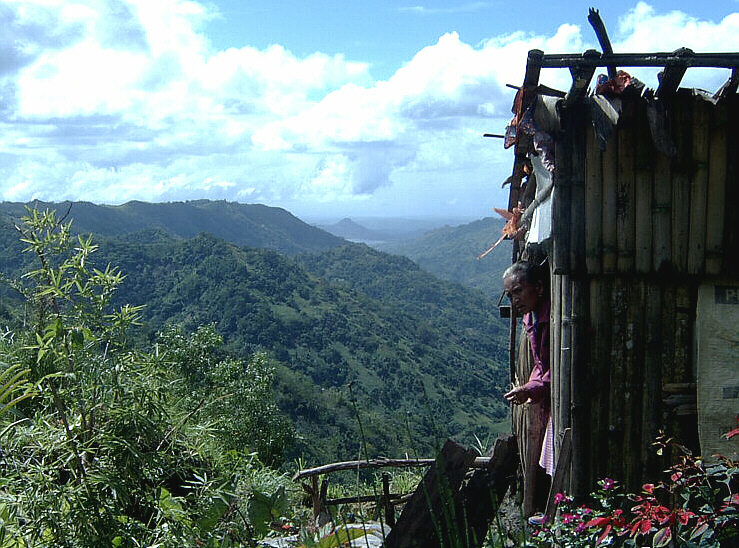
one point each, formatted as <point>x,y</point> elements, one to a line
<point>635,233</point>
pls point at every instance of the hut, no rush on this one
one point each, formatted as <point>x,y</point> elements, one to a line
<point>630,194</point>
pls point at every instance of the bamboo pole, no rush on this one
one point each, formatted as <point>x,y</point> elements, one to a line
<point>616,401</point>
<point>652,409</point>
<point>625,188</point>
<point>634,369</point>
<point>698,187</point>
<point>580,480</point>
<point>600,366</point>
<point>561,212</point>
<point>593,203</point>
<point>643,191</point>
<point>555,355</point>
<point>565,363</point>
<point>577,191</point>
<point>716,194</point>
<point>610,195</point>
<point>680,170</point>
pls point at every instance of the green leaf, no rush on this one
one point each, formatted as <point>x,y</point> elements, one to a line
<point>662,537</point>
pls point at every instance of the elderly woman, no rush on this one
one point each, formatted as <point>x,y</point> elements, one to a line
<point>526,285</point>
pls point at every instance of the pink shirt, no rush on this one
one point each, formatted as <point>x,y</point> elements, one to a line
<point>538,335</point>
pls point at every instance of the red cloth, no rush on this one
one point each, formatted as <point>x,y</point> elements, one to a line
<point>538,335</point>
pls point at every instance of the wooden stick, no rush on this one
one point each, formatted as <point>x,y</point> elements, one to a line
<point>698,188</point>
<point>593,203</point>
<point>581,77</point>
<point>610,195</point>
<point>661,59</point>
<point>645,151</point>
<point>625,200</point>
<point>673,74</point>
<point>602,35</point>
<point>681,170</point>
<point>716,194</point>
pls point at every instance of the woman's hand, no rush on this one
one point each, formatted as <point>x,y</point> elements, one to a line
<point>518,395</point>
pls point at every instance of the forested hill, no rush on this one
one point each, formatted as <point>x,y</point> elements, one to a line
<point>406,362</point>
<point>450,253</point>
<point>252,225</point>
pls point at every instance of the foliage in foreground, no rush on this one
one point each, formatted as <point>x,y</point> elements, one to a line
<point>118,447</point>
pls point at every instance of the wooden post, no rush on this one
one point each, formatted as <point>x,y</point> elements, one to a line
<point>643,190</point>
<point>652,409</point>
<point>581,390</point>
<point>593,203</point>
<point>625,198</point>
<point>577,190</point>
<point>610,195</point>
<point>731,212</point>
<point>681,171</point>
<point>616,401</point>
<point>698,188</point>
<point>717,182</point>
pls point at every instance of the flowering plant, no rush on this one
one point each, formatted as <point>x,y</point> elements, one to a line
<point>697,506</point>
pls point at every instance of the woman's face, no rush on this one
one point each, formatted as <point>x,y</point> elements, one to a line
<point>523,295</point>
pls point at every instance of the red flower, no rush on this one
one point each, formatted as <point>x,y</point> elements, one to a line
<point>648,488</point>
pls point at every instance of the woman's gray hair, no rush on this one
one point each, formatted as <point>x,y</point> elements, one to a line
<point>527,272</point>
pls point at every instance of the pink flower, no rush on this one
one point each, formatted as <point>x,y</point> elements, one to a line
<point>558,497</point>
<point>608,483</point>
<point>567,518</point>
<point>647,487</point>
<point>580,527</point>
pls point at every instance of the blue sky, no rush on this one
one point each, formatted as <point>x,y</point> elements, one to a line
<point>325,108</point>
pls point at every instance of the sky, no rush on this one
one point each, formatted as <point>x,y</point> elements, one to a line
<point>326,108</point>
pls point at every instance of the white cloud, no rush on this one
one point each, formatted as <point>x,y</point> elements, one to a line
<point>112,100</point>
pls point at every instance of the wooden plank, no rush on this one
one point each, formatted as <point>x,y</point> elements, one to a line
<point>593,203</point>
<point>643,198</point>
<point>698,188</point>
<point>683,334</point>
<point>577,190</point>
<point>634,369</point>
<point>625,220</point>
<point>730,265</point>
<point>681,169</point>
<point>662,214</point>
<point>581,390</point>
<point>667,332</point>
<point>651,397</point>
<point>617,378</point>
<point>610,198</point>
<point>716,193</point>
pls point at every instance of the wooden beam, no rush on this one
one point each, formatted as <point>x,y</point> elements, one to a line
<point>673,73</point>
<point>712,60</point>
<point>600,32</point>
